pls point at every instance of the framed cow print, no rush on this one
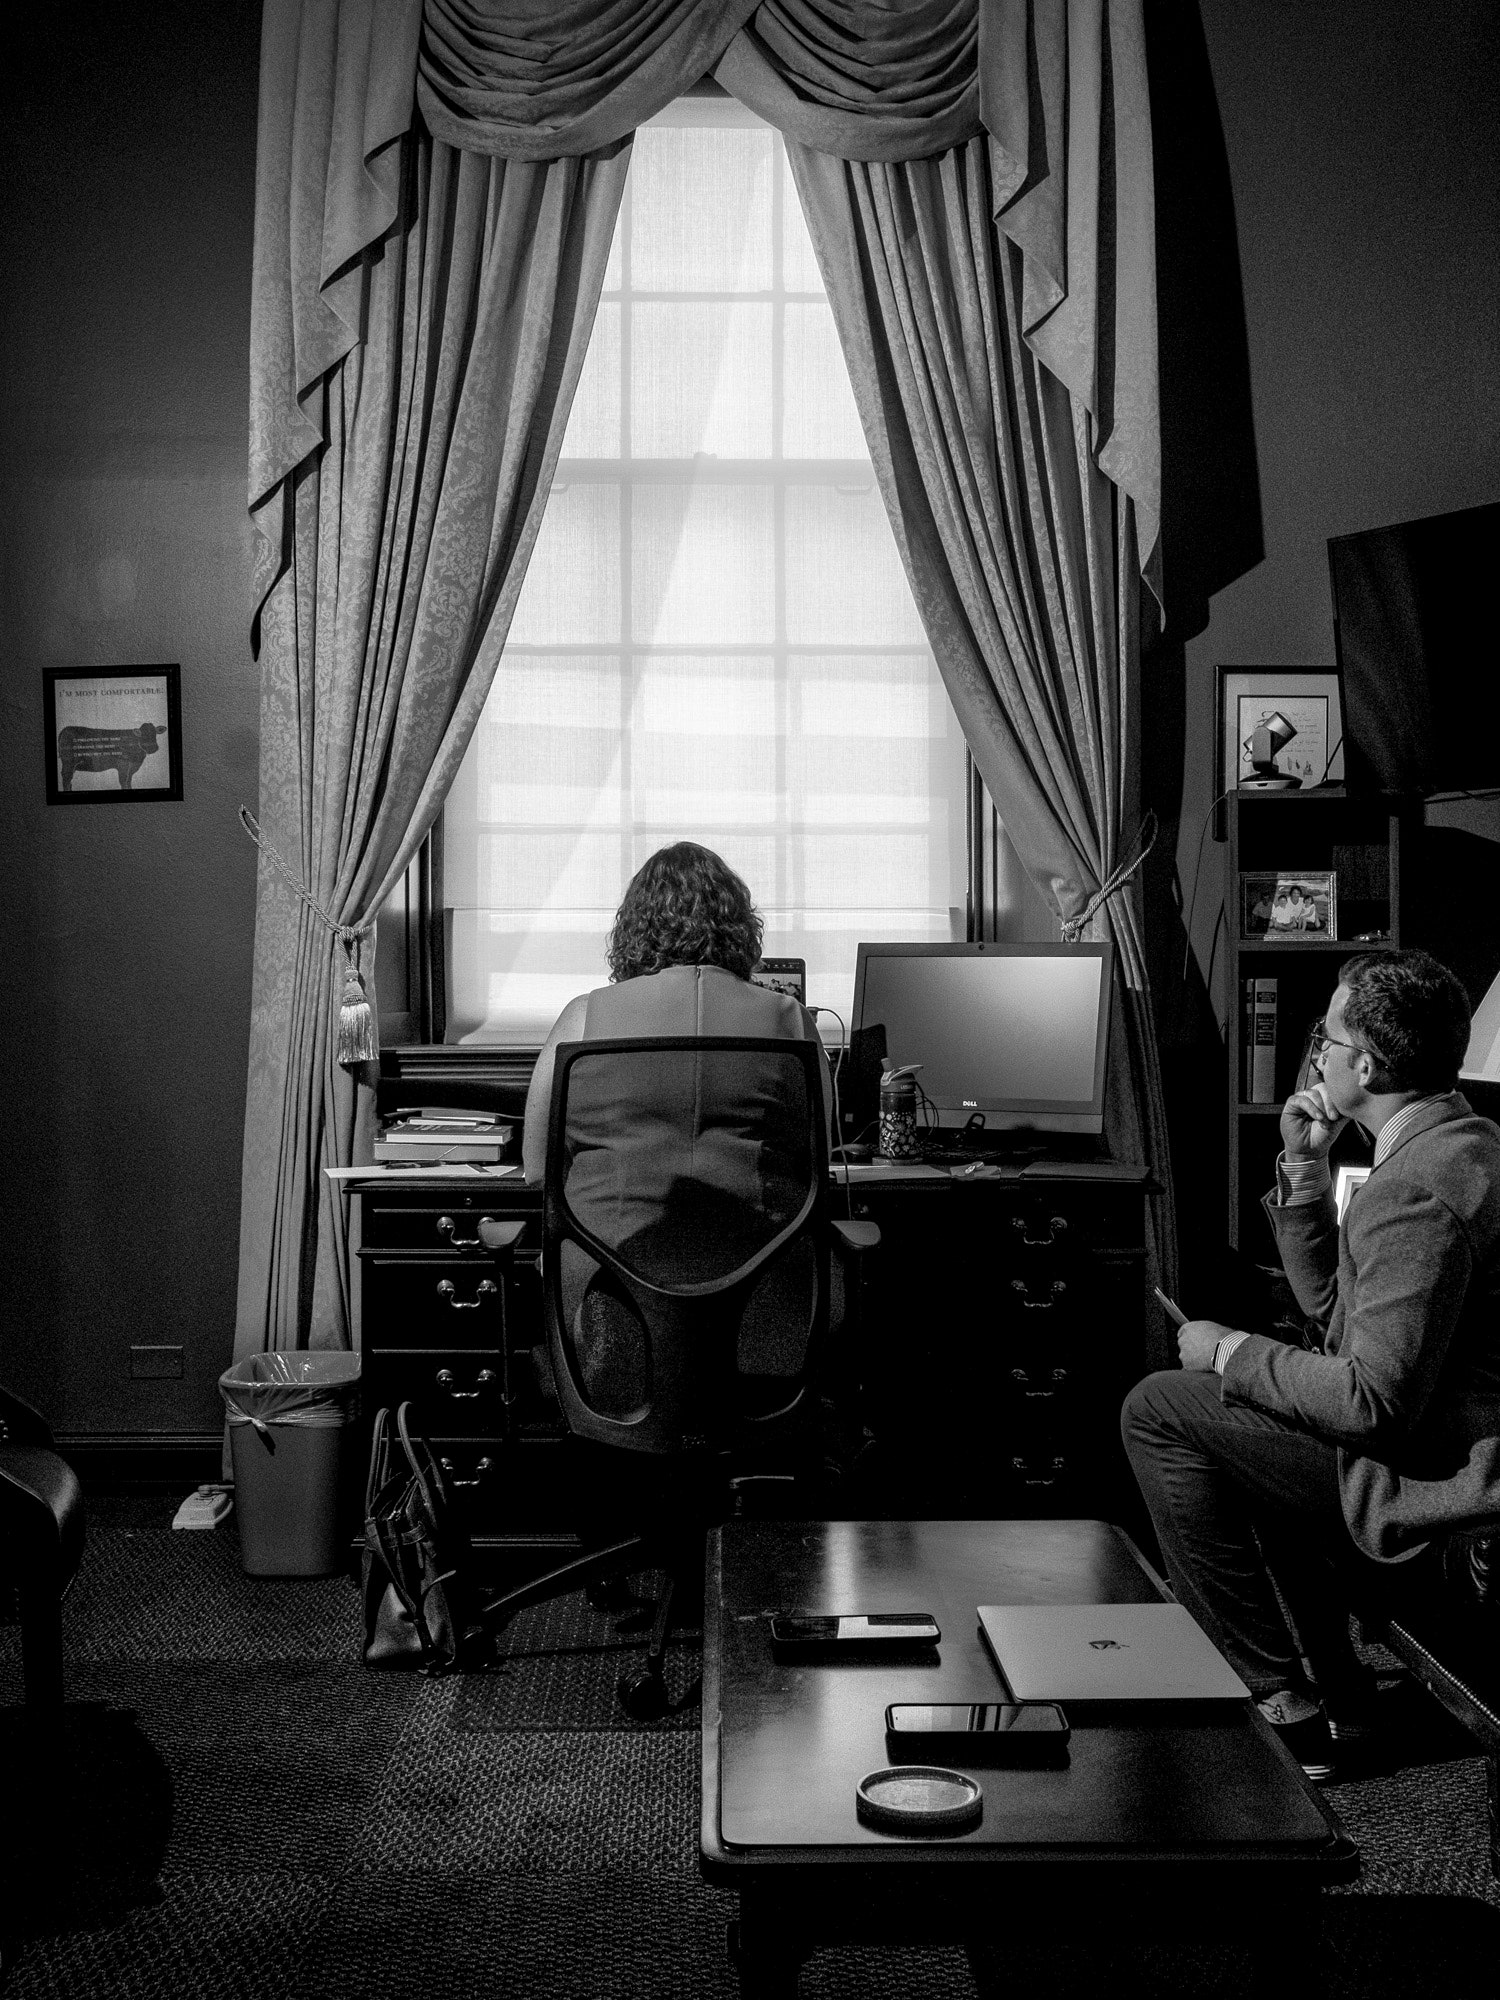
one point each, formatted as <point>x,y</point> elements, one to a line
<point>112,734</point>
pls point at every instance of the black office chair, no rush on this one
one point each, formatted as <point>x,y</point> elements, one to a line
<point>687,1263</point>
<point>41,1541</point>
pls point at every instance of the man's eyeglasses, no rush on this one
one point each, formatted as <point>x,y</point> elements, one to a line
<point>1318,1045</point>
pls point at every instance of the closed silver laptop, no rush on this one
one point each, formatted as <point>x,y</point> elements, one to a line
<point>1106,1652</point>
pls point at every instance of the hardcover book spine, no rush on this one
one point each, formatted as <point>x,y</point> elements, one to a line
<point>1263,1054</point>
<point>1247,1036</point>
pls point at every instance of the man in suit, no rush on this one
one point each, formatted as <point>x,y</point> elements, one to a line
<point>1261,1458</point>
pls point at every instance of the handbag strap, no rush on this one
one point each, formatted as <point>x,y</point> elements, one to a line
<point>380,1453</point>
<point>426,1470</point>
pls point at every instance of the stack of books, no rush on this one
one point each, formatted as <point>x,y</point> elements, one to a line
<point>434,1138</point>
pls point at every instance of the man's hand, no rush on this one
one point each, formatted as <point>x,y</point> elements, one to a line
<point>1197,1340</point>
<point>1309,1123</point>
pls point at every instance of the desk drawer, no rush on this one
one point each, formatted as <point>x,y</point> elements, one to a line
<point>447,1302</point>
<point>451,1389</point>
<point>514,1489</point>
<point>435,1224</point>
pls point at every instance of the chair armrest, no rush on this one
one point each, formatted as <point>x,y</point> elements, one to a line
<point>41,1509</point>
<point>857,1236</point>
<point>21,1424</point>
<point>499,1238</point>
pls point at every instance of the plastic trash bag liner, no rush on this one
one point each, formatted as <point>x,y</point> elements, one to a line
<point>318,1390</point>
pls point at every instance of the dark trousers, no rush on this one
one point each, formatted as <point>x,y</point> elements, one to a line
<point>1238,1496</point>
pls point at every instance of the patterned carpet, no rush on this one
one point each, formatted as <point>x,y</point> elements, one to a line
<point>249,1813</point>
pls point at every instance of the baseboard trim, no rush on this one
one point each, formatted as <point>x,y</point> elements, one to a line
<point>138,1461</point>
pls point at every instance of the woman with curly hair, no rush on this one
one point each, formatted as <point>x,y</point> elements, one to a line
<point>685,940</point>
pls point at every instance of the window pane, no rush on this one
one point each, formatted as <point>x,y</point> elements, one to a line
<point>703,564</point>
<point>705,741</point>
<point>525,868</point>
<point>844,580</point>
<point>677,178</point>
<point>821,420</point>
<point>594,420</point>
<point>700,380</point>
<point>520,969</point>
<point>860,695</point>
<point>572,589</point>
<point>799,261</point>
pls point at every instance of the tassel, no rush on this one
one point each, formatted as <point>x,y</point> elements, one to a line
<point>356,1043</point>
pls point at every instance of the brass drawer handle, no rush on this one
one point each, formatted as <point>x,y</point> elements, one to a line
<point>1057,1290</point>
<point>446,1226</point>
<point>485,1379</point>
<point>446,1292</point>
<point>481,1467</point>
<point>1056,1226</point>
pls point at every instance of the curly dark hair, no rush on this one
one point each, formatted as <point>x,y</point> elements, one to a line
<point>684,907</point>
<point>1412,1013</point>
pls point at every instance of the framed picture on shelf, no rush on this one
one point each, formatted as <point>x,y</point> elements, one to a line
<point>1289,908</point>
<point>113,734</point>
<point>1276,729</point>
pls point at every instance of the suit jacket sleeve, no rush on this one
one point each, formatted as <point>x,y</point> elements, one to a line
<point>1307,1235</point>
<point>1404,1279</point>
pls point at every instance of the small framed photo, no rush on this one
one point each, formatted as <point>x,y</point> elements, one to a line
<point>1289,909</point>
<point>113,734</point>
<point>1276,729</point>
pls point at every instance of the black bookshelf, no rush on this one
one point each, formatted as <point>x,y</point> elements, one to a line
<point>1369,843</point>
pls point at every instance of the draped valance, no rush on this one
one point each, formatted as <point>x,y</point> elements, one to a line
<point>1058,88</point>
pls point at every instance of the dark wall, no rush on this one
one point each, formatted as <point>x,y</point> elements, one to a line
<point>1341,372</point>
<point>128,140</point>
<point>1361,139</point>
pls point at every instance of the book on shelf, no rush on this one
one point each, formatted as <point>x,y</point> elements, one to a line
<point>1247,1036</point>
<point>1263,1044</point>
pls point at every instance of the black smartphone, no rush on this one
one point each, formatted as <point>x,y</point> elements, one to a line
<point>991,1732</point>
<point>853,1634</point>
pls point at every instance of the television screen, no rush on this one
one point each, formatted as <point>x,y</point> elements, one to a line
<point>1015,1032</point>
<point>1414,633</point>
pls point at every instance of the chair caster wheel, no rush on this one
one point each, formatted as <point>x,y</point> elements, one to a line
<point>643,1696</point>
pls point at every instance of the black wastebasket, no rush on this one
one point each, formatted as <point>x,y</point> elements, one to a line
<point>289,1417</point>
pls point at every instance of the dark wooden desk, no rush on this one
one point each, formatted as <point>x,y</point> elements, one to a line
<point>1201,1806</point>
<point>1016,1299</point>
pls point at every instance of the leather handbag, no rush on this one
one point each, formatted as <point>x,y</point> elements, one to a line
<point>418,1589</point>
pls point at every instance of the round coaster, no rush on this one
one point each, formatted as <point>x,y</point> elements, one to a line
<point>919,1798</point>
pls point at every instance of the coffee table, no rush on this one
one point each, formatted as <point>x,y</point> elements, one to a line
<point>1151,1817</point>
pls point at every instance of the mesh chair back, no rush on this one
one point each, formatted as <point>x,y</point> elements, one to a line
<point>685,1241</point>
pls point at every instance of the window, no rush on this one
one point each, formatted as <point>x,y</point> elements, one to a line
<point>715,640</point>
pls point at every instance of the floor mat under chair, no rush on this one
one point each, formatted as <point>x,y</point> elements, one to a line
<point>559,1664</point>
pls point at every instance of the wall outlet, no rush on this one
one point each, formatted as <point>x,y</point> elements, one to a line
<point>156,1364</point>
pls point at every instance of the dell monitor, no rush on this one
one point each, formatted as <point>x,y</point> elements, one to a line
<point>1010,1036</point>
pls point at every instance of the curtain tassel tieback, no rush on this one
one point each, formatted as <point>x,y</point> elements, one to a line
<point>1074,927</point>
<point>357,1042</point>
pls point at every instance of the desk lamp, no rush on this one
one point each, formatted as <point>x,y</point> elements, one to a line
<point>1270,735</point>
